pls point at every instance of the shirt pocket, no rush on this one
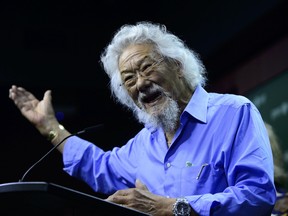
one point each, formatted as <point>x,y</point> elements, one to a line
<point>204,178</point>
<point>196,172</point>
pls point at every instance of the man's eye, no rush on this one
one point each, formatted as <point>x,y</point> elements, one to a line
<point>129,79</point>
<point>146,67</point>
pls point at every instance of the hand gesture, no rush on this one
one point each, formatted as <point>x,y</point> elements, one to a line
<point>40,113</point>
<point>141,199</point>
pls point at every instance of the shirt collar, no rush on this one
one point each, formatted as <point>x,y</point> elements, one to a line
<point>198,104</point>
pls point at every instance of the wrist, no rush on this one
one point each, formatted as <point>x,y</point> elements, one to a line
<point>54,133</point>
<point>57,136</point>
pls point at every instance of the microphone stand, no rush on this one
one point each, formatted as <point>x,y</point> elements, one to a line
<point>44,156</point>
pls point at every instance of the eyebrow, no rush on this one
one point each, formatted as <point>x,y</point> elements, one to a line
<point>138,63</point>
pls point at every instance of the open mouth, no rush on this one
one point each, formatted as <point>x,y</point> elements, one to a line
<point>151,99</point>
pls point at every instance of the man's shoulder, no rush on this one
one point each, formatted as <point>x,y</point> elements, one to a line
<point>225,99</point>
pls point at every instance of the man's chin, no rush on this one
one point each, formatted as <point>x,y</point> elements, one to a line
<point>154,111</point>
<point>163,114</point>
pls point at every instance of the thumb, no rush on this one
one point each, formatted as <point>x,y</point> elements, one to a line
<point>140,185</point>
<point>47,99</point>
<point>47,103</point>
<point>47,96</point>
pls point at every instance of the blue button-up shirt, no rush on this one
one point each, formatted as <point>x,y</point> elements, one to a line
<point>220,159</point>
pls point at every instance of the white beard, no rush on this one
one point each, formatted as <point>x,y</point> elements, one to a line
<point>166,118</point>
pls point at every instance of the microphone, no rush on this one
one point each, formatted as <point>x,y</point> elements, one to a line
<point>44,156</point>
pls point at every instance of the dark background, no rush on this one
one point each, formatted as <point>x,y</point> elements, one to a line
<point>56,45</point>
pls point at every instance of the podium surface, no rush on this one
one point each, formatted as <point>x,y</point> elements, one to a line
<point>43,198</point>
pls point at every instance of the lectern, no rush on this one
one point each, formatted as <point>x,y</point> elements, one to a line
<point>43,199</point>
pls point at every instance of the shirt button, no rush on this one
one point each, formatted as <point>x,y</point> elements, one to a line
<point>168,165</point>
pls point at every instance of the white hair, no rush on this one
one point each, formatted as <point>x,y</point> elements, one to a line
<point>166,44</point>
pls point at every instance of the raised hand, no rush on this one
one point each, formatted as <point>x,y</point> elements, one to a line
<point>40,113</point>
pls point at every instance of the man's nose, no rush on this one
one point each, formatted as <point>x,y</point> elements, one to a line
<point>142,82</point>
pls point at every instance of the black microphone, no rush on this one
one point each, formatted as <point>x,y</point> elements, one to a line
<point>44,156</point>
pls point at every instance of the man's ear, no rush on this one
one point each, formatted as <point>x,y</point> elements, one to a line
<point>179,68</point>
<point>180,73</point>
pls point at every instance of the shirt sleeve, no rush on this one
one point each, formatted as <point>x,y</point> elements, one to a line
<point>248,165</point>
<point>103,171</point>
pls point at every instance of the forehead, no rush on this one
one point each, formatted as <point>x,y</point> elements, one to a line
<point>134,53</point>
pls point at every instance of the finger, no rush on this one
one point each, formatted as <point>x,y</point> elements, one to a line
<point>21,89</point>
<point>19,92</point>
<point>140,185</point>
<point>117,198</point>
<point>12,91</point>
